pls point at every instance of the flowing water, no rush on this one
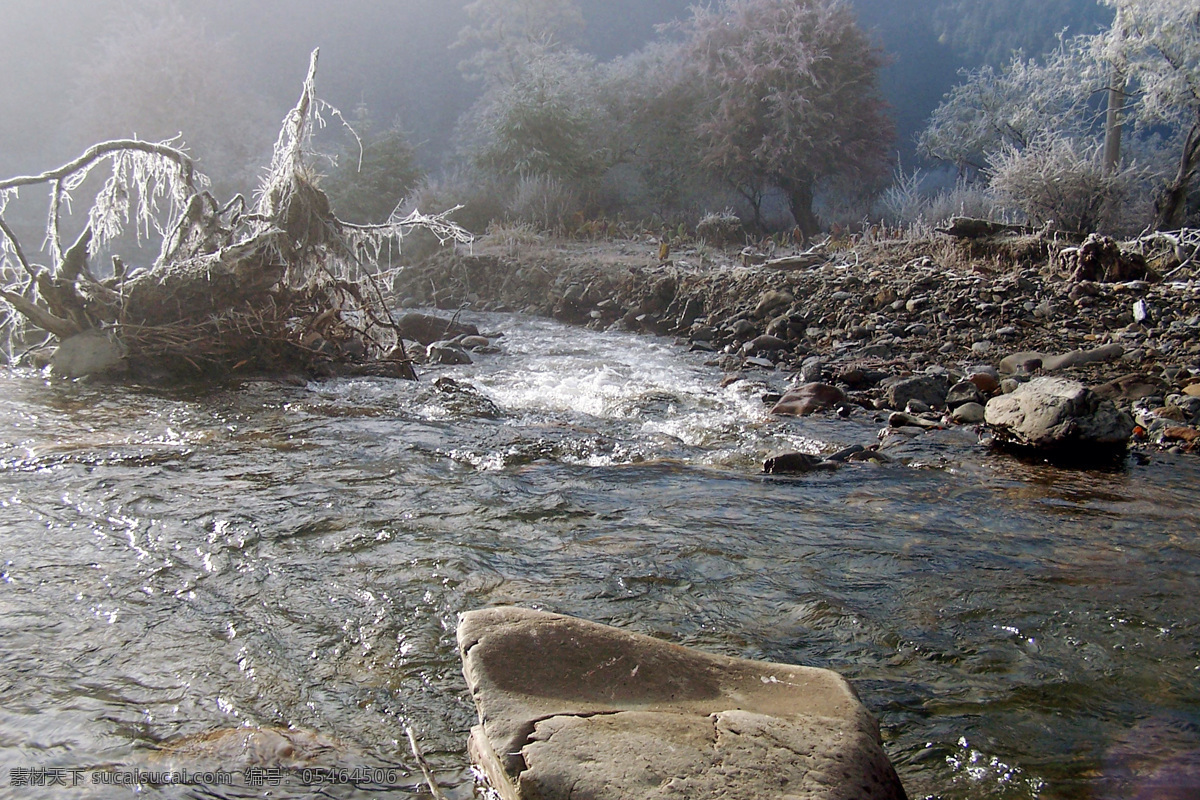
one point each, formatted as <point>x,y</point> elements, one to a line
<point>174,564</point>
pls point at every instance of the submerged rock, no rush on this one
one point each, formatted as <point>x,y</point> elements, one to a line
<point>570,708</point>
<point>1055,414</point>
<point>796,463</point>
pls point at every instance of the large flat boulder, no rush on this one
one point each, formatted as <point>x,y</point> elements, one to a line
<point>575,709</point>
<point>1057,415</point>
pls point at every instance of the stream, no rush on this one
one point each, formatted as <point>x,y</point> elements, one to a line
<point>178,563</point>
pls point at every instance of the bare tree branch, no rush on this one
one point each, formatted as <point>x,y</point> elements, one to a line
<point>99,151</point>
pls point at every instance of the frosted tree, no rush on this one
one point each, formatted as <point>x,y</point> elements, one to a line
<point>791,98</point>
<point>650,102</point>
<point>1158,45</point>
<point>1013,106</point>
<point>545,123</point>
<point>508,35</point>
<point>155,73</point>
<point>1147,69</point>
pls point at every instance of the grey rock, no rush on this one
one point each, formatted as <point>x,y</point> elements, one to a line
<point>427,329</point>
<point>742,328</point>
<point>1141,312</point>
<point>92,352</point>
<point>570,708</point>
<point>968,414</point>
<point>772,301</point>
<point>474,342</point>
<point>962,393</point>
<point>764,344</point>
<point>812,369</point>
<point>901,419</point>
<point>929,389</point>
<point>1057,414</point>
<point>1109,352</point>
<point>760,362</point>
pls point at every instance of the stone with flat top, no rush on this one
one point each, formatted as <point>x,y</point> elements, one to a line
<point>574,709</point>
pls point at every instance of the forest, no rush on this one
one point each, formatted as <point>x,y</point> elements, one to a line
<point>785,118</point>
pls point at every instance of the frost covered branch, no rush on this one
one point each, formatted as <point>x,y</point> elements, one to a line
<point>287,286</point>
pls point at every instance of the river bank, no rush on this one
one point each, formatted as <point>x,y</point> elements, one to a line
<point>863,316</point>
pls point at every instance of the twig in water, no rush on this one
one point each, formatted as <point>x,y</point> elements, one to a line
<point>425,770</point>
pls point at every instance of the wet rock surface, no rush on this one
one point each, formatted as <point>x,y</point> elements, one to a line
<point>1057,415</point>
<point>570,709</point>
<point>896,326</point>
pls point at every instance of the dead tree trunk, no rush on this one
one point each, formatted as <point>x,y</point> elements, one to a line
<point>286,286</point>
<point>1169,208</point>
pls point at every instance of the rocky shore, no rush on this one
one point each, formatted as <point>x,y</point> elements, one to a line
<point>931,330</point>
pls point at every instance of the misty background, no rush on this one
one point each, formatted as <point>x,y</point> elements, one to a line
<point>224,72</point>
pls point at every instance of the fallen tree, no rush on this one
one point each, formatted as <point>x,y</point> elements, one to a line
<point>280,285</point>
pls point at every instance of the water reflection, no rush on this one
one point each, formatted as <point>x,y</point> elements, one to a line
<point>179,565</point>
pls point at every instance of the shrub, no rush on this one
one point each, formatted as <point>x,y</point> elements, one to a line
<point>912,202</point>
<point>1062,182</point>
<point>721,229</point>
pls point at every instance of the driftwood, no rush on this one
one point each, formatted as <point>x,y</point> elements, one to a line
<point>283,285</point>
<point>812,257</point>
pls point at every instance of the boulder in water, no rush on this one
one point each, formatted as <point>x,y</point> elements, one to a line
<point>1057,415</point>
<point>795,463</point>
<point>570,708</point>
